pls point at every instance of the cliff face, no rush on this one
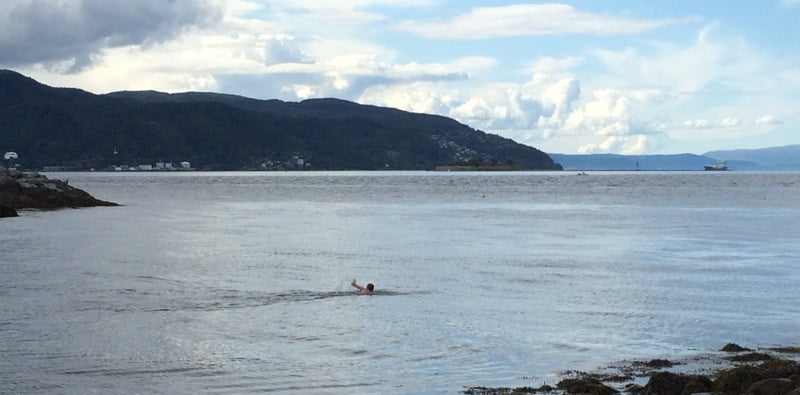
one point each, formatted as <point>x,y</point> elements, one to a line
<point>32,190</point>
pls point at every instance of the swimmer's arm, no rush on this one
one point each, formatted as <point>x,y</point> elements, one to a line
<point>354,284</point>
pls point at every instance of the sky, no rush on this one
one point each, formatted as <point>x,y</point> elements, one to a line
<point>614,76</point>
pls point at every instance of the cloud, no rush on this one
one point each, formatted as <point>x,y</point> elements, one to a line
<point>346,76</point>
<point>306,16</point>
<point>768,120</point>
<point>530,20</point>
<point>510,107</point>
<point>614,112</point>
<point>730,122</point>
<point>70,34</point>
<point>422,97</point>
<point>626,145</point>
<point>697,124</point>
<point>282,49</point>
<point>549,65</point>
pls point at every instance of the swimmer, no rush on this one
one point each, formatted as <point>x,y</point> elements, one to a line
<point>364,290</point>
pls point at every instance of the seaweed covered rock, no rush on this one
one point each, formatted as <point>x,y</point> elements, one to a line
<point>585,386</point>
<point>32,190</point>
<point>751,357</point>
<point>736,380</point>
<point>771,387</point>
<point>733,347</point>
<point>740,379</point>
<point>667,383</point>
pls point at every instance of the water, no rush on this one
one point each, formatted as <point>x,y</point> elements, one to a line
<point>239,282</point>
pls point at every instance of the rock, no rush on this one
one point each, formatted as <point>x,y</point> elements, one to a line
<point>733,347</point>
<point>667,383</point>
<point>633,388</point>
<point>507,391</point>
<point>655,363</point>
<point>585,386</point>
<point>736,380</point>
<point>787,350</point>
<point>771,387</point>
<point>740,379</point>
<point>32,190</point>
<point>750,357</point>
<point>6,212</point>
<point>779,368</point>
<point>697,384</point>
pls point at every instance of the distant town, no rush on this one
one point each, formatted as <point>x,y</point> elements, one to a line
<point>12,160</point>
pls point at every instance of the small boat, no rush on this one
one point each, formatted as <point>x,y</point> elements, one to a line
<point>719,166</point>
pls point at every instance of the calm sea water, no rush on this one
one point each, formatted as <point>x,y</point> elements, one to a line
<point>239,282</point>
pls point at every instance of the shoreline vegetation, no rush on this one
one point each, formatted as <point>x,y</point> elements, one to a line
<point>20,190</point>
<point>733,370</point>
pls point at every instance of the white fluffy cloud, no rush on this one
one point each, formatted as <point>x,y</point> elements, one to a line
<point>626,145</point>
<point>529,20</point>
<point>538,103</point>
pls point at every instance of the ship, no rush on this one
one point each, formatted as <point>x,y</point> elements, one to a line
<point>719,166</point>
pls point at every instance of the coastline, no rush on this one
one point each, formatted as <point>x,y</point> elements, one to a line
<point>20,190</point>
<point>729,371</point>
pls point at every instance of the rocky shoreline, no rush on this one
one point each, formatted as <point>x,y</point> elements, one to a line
<point>733,370</point>
<point>32,190</point>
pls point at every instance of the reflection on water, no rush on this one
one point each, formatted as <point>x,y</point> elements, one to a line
<point>239,282</point>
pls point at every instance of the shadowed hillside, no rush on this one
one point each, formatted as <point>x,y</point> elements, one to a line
<point>79,130</point>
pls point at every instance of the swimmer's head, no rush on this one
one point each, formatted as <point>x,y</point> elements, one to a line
<point>370,287</point>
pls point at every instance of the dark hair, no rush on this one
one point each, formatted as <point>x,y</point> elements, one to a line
<point>370,286</point>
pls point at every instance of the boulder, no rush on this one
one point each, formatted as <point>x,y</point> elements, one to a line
<point>668,383</point>
<point>771,387</point>
<point>733,347</point>
<point>585,386</point>
<point>736,380</point>
<point>779,369</point>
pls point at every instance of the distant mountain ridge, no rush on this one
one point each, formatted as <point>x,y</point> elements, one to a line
<point>776,158</point>
<point>78,130</point>
<point>773,158</point>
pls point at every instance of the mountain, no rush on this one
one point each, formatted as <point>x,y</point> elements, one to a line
<point>774,158</point>
<point>76,129</point>
<point>645,162</point>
